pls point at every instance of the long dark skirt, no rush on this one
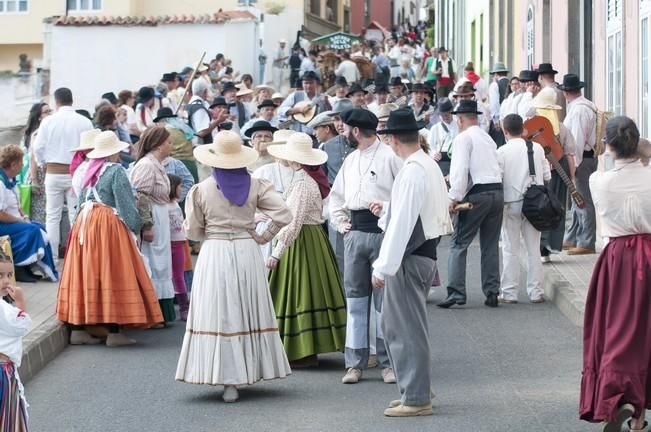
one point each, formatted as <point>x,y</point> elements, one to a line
<point>617,331</point>
<point>552,241</point>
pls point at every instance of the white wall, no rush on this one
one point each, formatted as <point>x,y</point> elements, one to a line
<point>277,27</point>
<point>95,59</point>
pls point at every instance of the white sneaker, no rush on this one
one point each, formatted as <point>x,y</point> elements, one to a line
<point>231,394</point>
<point>546,259</point>
<point>118,339</point>
<point>352,376</point>
<point>388,376</point>
<point>81,337</point>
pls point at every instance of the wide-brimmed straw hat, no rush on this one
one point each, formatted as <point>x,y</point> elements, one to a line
<point>546,99</point>
<point>282,135</point>
<point>106,144</point>
<point>260,87</point>
<point>87,140</point>
<point>299,149</point>
<point>382,112</point>
<point>226,152</point>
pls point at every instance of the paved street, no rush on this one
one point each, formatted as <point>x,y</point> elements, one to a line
<point>516,368</point>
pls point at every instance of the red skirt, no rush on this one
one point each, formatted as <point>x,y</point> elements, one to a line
<point>617,331</point>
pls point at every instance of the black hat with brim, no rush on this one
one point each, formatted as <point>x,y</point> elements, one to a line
<point>444,105</point>
<point>419,87</point>
<point>260,125</point>
<point>267,103</point>
<point>310,76</point>
<point>229,86</point>
<point>395,81</point>
<point>219,101</point>
<point>528,76</point>
<point>146,94</point>
<point>571,82</point>
<point>466,106</point>
<point>400,121</point>
<point>360,117</point>
<point>355,88</point>
<point>341,81</point>
<point>110,96</point>
<point>382,88</point>
<point>164,112</point>
<point>546,68</point>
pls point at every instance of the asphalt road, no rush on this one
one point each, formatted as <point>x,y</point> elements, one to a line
<point>514,368</point>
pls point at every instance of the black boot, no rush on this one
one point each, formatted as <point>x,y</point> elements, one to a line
<point>22,275</point>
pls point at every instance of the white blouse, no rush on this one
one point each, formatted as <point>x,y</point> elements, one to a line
<point>9,201</point>
<point>14,324</point>
<point>622,200</point>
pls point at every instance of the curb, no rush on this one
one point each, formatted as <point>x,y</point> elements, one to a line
<point>41,346</point>
<point>564,296</point>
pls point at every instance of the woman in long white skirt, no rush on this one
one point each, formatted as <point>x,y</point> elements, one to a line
<point>231,337</point>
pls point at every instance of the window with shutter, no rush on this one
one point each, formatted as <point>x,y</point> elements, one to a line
<point>614,56</point>
<point>645,68</point>
<point>530,38</point>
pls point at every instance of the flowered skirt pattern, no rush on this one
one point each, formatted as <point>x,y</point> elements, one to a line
<point>104,279</point>
<point>13,408</point>
<point>231,335</point>
<point>308,297</point>
<point>617,331</point>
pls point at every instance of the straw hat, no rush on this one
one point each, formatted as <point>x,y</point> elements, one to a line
<point>106,144</point>
<point>382,112</point>
<point>244,91</point>
<point>226,152</point>
<point>546,99</point>
<point>87,140</point>
<point>277,95</point>
<point>260,87</point>
<point>282,135</point>
<point>298,149</point>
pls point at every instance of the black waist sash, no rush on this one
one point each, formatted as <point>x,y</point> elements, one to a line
<point>364,221</point>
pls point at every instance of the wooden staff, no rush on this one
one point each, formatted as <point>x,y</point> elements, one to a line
<point>185,90</point>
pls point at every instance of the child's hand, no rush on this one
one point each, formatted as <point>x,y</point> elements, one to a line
<point>148,235</point>
<point>17,294</point>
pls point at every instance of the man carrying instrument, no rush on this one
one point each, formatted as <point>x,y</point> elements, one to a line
<point>312,102</point>
<point>418,104</point>
<point>545,106</point>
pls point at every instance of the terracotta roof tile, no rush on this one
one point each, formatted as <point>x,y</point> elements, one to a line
<point>215,18</point>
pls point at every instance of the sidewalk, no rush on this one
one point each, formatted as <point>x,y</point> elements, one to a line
<point>567,279</point>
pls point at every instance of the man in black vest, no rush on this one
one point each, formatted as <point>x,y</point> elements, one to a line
<point>497,92</point>
<point>199,117</point>
<point>239,114</point>
<point>446,71</point>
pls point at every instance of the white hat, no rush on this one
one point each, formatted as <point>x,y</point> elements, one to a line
<point>321,119</point>
<point>299,149</point>
<point>382,111</point>
<point>546,99</point>
<point>87,140</point>
<point>226,152</point>
<point>277,95</point>
<point>107,144</point>
<point>282,41</point>
<point>244,91</point>
<point>281,136</point>
<point>260,87</point>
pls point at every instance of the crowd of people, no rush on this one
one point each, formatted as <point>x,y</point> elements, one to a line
<point>317,215</point>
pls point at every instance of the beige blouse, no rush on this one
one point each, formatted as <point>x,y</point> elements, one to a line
<point>209,215</point>
<point>149,177</point>
<point>305,202</point>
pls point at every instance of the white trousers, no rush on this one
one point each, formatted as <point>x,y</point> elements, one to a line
<point>58,190</point>
<point>279,75</point>
<point>515,226</point>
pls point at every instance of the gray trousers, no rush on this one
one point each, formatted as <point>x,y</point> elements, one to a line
<point>485,217</point>
<point>337,242</point>
<point>583,231</point>
<point>405,328</point>
<point>360,251</point>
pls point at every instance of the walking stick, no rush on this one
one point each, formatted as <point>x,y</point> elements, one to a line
<point>185,90</point>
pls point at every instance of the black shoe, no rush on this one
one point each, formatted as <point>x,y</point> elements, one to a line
<point>491,300</point>
<point>448,302</point>
<point>31,273</point>
<point>22,275</point>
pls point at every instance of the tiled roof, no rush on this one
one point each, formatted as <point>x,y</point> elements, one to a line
<point>84,20</point>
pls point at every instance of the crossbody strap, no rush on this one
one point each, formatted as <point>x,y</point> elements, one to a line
<point>532,169</point>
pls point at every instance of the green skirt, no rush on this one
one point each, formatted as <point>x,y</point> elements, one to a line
<point>308,297</point>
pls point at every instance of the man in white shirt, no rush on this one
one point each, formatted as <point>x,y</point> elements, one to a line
<point>347,68</point>
<point>307,64</point>
<point>415,219</point>
<point>547,79</point>
<point>497,92</point>
<point>280,64</point>
<point>366,176</point>
<point>442,134</point>
<point>529,79</point>
<point>57,136</point>
<point>475,178</point>
<point>581,120</point>
<point>310,92</point>
<point>510,104</point>
<point>514,164</point>
<point>198,113</point>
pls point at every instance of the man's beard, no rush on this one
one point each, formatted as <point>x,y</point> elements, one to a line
<point>352,141</point>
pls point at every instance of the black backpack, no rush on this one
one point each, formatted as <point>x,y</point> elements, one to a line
<point>541,208</point>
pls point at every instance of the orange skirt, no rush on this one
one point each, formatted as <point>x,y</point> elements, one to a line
<point>104,280</point>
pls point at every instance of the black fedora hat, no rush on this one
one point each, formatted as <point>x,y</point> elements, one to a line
<point>170,76</point>
<point>146,94</point>
<point>354,89</point>
<point>382,88</point>
<point>267,103</point>
<point>395,81</point>
<point>310,76</point>
<point>546,68</point>
<point>218,101</point>
<point>571,82</point>
<point>341,81</point>
<point>528,75</point>
<point>466,106</point>
<point>400,121</point>
<point>444,105</point>
<point>260,125</point>
<point>419,87</point>
<point>164,112</point>
<point>229,86</point>
<point>110,96</point>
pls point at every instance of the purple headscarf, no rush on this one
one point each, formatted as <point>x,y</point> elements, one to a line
<point>233,183</point>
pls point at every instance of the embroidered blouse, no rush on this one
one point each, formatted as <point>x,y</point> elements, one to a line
<point>149,177</point>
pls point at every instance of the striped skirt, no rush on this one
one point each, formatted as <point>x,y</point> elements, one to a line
<point>13,408</point>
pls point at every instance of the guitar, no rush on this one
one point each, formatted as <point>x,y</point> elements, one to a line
<point>543,134</point>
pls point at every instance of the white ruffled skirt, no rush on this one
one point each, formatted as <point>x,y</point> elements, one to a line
<point>231,336</point>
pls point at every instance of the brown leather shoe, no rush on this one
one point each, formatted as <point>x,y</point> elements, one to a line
<point>580,251</point>
<point>568,246</point>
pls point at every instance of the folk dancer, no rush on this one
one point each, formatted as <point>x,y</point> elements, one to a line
<point>464,90</point>
<point>547,79</point>
<point>532,87</point>
<point>309,93</point>
<point>497,92</point>
<point>446,71</point>
<point>357,94</point>
<point>513,159</point>
<point>381,97</point>
<point>510,104</point>
<point>418,104</point>
<point>474,177</point>
<point>199,116</point>
<point>366,176</point>
<point>238,111</point>
<point>581,120</point>
<point>415,219</point>
<point>545,105</point>
<point>261,134</point>
<point>442,135</point>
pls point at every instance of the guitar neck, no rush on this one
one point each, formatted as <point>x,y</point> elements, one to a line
<point>561,172</point>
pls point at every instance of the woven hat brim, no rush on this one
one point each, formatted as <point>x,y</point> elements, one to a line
<point>102,153</point>
<point>285,152</point>
<point>207,155</point>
